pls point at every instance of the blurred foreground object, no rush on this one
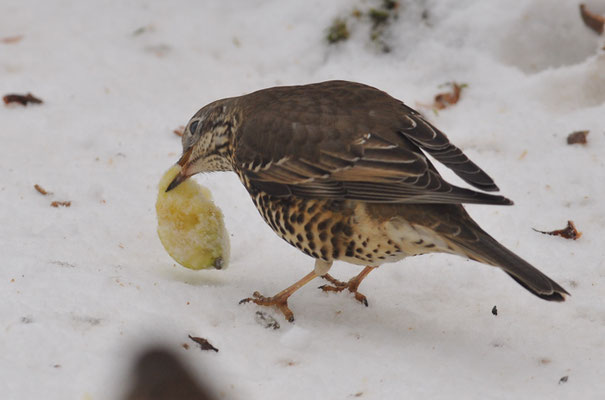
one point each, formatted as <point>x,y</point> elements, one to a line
<point>159,375</point>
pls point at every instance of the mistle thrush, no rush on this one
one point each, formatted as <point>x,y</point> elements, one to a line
<point>340,171</point>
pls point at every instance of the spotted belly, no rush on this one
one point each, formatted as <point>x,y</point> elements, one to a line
<point>330,230</point>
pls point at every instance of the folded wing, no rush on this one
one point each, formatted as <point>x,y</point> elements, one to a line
<point>363,145</point>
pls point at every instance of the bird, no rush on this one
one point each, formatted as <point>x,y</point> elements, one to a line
<point>340,170</point>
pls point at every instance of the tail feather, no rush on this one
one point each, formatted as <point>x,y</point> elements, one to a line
<point>489,251</point>
<point>557,292</point>
<point>452,224</point>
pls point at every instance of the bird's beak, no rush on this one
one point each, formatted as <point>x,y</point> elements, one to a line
<point>183,162</point>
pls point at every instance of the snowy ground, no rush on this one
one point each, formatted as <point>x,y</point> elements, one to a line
<point>85,288</point>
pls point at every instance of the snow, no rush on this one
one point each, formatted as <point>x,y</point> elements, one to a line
<point>86,288</point>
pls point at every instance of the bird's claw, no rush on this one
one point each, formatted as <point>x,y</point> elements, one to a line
<point>361,298</point>
<point>278,301</point>
<point>339,286</point>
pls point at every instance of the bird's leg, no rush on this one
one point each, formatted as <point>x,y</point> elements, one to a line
<point>280,300</point>
<point>352,285</point>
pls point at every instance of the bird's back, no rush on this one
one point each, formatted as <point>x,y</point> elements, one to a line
<point>345,140</point>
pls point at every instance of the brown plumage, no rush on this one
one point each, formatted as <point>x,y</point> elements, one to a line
<point>339,170</point>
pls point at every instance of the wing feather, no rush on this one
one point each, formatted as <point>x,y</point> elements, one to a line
<point>340,140</point>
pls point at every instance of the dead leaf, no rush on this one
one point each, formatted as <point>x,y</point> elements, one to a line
<point>41,190</point>
<point>23,99</point>
<point>446,99</point>
<point>179,131</point>
<point>578,137</point>
<point>569,232</point>
<point>523,154</point>
<point>60,204</point>
<point>595,22</point>
<point>11,39</point>
<point>204,343</point>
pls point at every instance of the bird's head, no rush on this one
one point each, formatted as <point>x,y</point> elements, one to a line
<point>207,141</point>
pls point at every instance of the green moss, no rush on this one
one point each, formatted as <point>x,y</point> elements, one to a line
<point>390,4</point>
<point>378,17</point>
<point>338,31</point>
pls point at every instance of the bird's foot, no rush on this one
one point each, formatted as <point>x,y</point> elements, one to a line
<point>339,286</point>
<point>280,301</point>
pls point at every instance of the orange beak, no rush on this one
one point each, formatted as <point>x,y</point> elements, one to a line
<point>183,161</point>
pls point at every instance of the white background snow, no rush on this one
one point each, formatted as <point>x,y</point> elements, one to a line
<point>85,288</point>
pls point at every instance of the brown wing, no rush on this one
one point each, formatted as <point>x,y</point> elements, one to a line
<point>342,140</point>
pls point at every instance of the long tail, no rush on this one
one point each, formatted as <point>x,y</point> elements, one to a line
<point>489,251</point>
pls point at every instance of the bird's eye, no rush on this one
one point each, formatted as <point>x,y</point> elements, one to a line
<point>193,127</point>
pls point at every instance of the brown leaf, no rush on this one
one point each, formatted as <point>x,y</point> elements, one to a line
<point>60,204</point>
<point>578,137</point>
<point>204,343</point>
<point>569,232</point>
<point>41,190</point>
<point>22,99</point>
<point>594,21</point>
<point>179,131</point>
<point>446,99</point>
<point>11,39</point>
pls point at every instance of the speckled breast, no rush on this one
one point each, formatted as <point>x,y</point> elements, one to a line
<point>329,229</point>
